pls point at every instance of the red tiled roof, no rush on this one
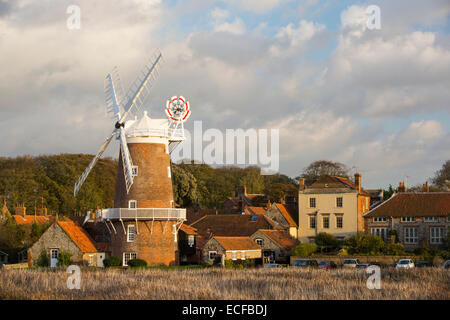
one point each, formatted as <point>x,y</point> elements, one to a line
<point>405,204</point>
<point>255,210</point>
<point>232,225</point>
<point>284,211</point>
<point>283,239</point>
<point>29,219</point>
<point>78,235</point>
<point>237,243</point>
<point>188,229</point>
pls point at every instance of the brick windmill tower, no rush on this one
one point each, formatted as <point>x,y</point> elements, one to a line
<point>144,222</point>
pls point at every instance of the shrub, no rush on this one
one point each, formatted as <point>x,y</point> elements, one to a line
<point>42,260</point>
<point>239,264</point>
<point>112,262</point>
<point>365,244</point>
<point>64,259</point>
<point>304,249</point>
<point>395,249</point>
<point>393,233</point>
<point>324,239</point>
<point>137,263</point>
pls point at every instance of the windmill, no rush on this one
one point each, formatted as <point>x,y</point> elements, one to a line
<point>144,208</point>
<point>121,106</point>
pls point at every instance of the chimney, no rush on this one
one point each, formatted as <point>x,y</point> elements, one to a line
<point>426,187</point>
<point>301,183</point>
<point>401,187</point>
<point>282,201</point>
<point>21,210</point>
<point>358,181</point>
<point>41,211</point>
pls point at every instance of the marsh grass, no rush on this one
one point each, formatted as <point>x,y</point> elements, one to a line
<point>218,284</point>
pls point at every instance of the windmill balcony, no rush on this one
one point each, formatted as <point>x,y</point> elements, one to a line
<point>173,133</point>
<point>143,214</point>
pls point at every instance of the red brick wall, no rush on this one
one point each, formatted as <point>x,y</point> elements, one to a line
<point>151,187</point>
<point>156,248</point>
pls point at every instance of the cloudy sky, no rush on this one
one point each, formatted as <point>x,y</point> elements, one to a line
<point>376,100</point>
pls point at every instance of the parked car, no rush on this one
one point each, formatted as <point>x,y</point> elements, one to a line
<point>422,264</point>
<point>305,263</point>
<point>271,265</point>
<point>362,266</point>
<point>327,265</point>
<point>405,263</point>
<point>350,263</point>
<point>446,265</point>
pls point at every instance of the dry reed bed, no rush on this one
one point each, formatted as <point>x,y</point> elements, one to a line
<point>253,284</point>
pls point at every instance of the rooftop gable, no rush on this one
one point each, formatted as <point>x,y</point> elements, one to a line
<point>78,235</point>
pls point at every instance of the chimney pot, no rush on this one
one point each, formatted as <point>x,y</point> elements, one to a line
<point>301,183</point>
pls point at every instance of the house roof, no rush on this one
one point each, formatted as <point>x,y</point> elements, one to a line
<point>188,229</point>
<point>334,182</point>
<point>281,238</point>
<point>237,243</point>
<point>78,235</point>
<point>413,205</point>
<point>284,209</point>
<point>232,225</point>
<point>29,219</point>
<point>254,210</point>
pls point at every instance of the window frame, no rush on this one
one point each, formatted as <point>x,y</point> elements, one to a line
<point>379,219</point>
<point>130,202</point>
<point>133,169</point>
<point>131,256</point>
<point>341,224</point>
<point>169,172</point>
<point>440,235</point>
<point>341,204</point>
<point>242,254</point>
<point>312,200</point>
<point>234,255</point>
<point>312,218</point>
<point>427,219</point>
<point>261,240</point>
<point>408,219</point>
<point>91,260</point>
<point>408,237</point>
<point>209,254</point>
<point>133,234</point>
<point>327,225</point>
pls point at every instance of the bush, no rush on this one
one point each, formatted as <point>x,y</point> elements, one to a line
<point>324,239</point>
<point>391,233</point>
<point>239,264</point>
<point>395,249</point>
<point>137,263</point>
<point>304,249</point>
<point>42,260</point>
<point>365,244</point>
<point>64,259</point>
<point>112,262</point>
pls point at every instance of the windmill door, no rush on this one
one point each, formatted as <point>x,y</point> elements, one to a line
<point>54,253</point>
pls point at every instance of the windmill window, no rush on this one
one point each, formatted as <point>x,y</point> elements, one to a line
<point>134,171</point>
<point>127,256</point>
<point>169,173</point>
<point>130,233</point>
<point>132,204</point>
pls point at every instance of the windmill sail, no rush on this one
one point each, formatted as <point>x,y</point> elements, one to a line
<point>92,164</point>
<point>116,105</point>
<point>126,160</point>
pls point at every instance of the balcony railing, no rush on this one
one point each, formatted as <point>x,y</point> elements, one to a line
<point>176,134</point>
<point>143,214</point>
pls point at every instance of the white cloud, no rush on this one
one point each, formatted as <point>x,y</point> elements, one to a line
<point>257,6</point>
